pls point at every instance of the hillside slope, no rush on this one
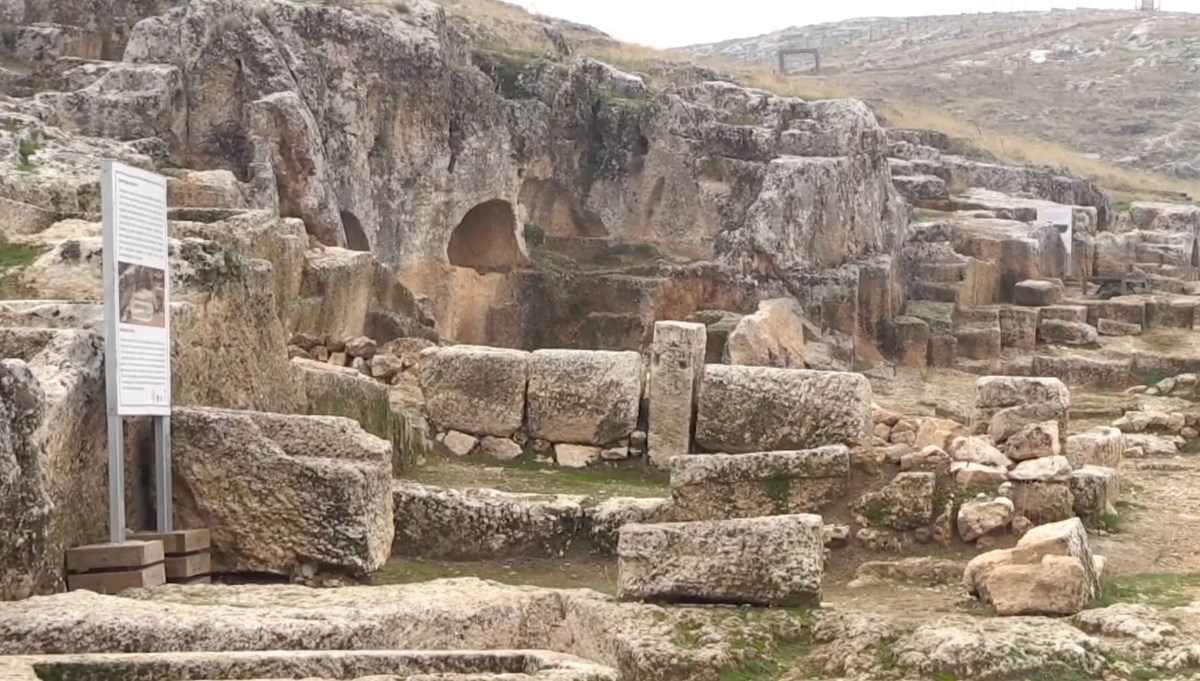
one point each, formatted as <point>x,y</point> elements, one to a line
<point>1121,86</point>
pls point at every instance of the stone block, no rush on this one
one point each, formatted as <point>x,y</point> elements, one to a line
<point>483,524</point>
<point>943,348</point>
<point>676,367</point>
<point>280,491</point>
<point>751,409</point>
<point>583,397</point>
<point>475,389</point>
<point>708,562</point>
<point>1042,502</point>
<point>1056,586</point>
<point>717,486</point>
<point>1101,446</point>
<point>1037,292</point>
<point>1096,491</point>
<point>1018,327</point>
<point>1023,400</point>
<point>1034,441</point>
<point>977,518</point>
<point>499,448</point>
<point>906,503</point>
<point>1045,469</point>
<point>772,336</point>
<point>460,444</point>
<point>577,456</point>
<point>1064,313</point>
<point>910,342</point>
<point>1112,327</point>
<point>1067,333</point>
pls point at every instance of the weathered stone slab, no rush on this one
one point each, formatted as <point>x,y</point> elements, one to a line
<point>483,524</point>
<point>475,389</point>
<point>717,486</point>
<point>584,397</point>
<point>1100,446</point>
<point>752,409</point>
<point>676,367</point>
<point>279,492</point>
<point>777,561</point>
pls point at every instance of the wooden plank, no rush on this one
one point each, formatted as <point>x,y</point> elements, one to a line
<point>191,565</point>
<point>178,542</point>
<point>116,582</point>
<point>124,556</point>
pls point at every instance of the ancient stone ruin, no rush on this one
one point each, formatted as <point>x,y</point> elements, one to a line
<point>494,363</point>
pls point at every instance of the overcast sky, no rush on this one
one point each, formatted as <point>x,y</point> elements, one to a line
<point>672,23</point>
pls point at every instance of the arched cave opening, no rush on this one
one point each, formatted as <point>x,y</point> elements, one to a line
<point>486,239</point>
<point>356,238</point>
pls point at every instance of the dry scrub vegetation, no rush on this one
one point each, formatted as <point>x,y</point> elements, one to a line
<point>523,33</point>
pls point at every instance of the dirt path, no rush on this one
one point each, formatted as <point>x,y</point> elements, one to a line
<point>1160,517</point>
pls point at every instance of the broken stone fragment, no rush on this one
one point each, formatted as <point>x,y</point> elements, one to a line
<point>1047,469</point>
<point>499,448</point>
<point>576,456</point>
<point>460,444</point>
<point>1034,441</point>
<point>977,518</point>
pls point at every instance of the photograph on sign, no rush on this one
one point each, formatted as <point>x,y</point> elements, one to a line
<point>142,294</point>
<point>137,291</point>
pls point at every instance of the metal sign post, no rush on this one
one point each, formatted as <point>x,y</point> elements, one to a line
<point>137,325</point>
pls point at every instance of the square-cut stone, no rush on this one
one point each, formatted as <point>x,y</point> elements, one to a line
<point>584,397</point>
<point>475,389</point>
<point>777,561</point>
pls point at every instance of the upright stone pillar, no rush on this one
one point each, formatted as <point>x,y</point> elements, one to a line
<point>676,367</point>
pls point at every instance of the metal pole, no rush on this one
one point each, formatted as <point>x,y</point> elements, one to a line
<point>162,472</point>
<point>116,479</point>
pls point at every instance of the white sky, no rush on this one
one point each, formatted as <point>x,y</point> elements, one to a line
<point>672,23</point>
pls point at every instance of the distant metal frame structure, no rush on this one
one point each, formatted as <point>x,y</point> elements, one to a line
<point>789,51</point>
<point>1148,5</point>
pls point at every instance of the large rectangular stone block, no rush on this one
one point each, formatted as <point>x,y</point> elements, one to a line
<point>717,486</point>
<point>584,397</point>
<point>475,389</point>
<point>676,367</point>
<point>754,409</point>
<point>776,561</point>
<point>1004,404</point>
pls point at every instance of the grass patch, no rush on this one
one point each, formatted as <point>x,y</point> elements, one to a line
<point>13,256</point>
<point>12,127</point>
<point>1111,522</point>
<point>1160,589</point>
<point>26,149</point>
<point>779,491</point>
<point>875,512</point>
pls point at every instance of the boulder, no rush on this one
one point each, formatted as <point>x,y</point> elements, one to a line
<point>576,456</point>
<point>932,459</point>
<point>937,432</point>
<point>977,518</point>
<point>717,486</point>
<point>977,476</point>
<point>483,524</point>
<point>1037,293</point>
<point>460,444</point>
<point>1051,571</point>
<point>1034,441</point>
<point>977,449</point>
<point>750,409</point>
<point>1100,446</point>
<point>707,562</point>
<point>342,391</point>
<point>771,337</point>
<point>478,390</point>
<point>905,503</point>
<point>583,397</point>
<point>330,501</point>
<point>676,367</point>
<point>607,517</point>
<point>1045,469</point>
<point>499,448</point>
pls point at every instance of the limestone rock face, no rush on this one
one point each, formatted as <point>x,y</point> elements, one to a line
<point>749,409</point>
<point>708,562</point>
<point>771,337</point>
<point>279,492</point>
<point>717,486</point>
<point>475,389</point>
<point>53,488</point>
<point>584,397</point>
<point>436,522</point>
